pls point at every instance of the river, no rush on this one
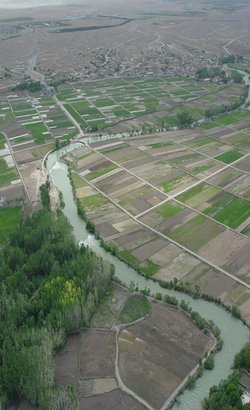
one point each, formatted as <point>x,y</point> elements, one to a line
<point>233,332</point>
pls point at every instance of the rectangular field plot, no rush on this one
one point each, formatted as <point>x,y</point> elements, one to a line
<point>229,156</point>
<point>2,141</point>
<point>233,181</point>
<point>126,98</point>
<point>229,210</point>
<point>183,225</point>
<point>9,219</point>
<point>219,205</point>
<point>8,173</point>
<point>38,131</point>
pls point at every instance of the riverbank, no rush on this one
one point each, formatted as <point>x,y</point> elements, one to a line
<point>234,334</point>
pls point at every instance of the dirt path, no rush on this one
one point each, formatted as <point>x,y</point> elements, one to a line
<point>238,280</point>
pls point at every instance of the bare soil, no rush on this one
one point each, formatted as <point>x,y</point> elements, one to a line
<point>97,354</point>
<point>116,399</point>
<point>156,354</point>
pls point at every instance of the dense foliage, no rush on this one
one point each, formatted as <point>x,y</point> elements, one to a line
<point>30,85</point>
<point>48,288</point>
<point>227,396</point>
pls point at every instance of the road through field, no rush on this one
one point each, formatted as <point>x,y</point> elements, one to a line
<point>234,334</point>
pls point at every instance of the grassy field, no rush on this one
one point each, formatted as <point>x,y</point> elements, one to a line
<point>130,259</point>
<point>196,232</point>
<point>229,119</point>
<point>74,114</point>
<point>2,140</point>
<point>102,103</point>
<point>170,209</point>
<point>171,184</point>
<point>101,171</point>
<point>39,132</point>
<point>6,174</point>
<point>198,195</point>
<point>135,307</point>
<point>9,218</point>
<point>231,211</point>
<point>94,202</point>
<point>78,182</point>
<point>149,268</point>
<point>229,156</point>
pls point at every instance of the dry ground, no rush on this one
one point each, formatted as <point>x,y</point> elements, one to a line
<point>155,355</point>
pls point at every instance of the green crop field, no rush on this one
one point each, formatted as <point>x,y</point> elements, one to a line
<point>38,131</point>
<point>171,184</point>
<point>9,218</point>
<point>6,174</point>
<point>196,232</point>
<point>135,307</point>
<point>2,140</point>
<point>94,202</point>
<point>198,195</point>
<point>229,156</point>
<point>78,182</point>
<point>170,209</point>
<point>230,211</point>
<point>149,268</point>
<point>101,171</point>
<point>74,114</point>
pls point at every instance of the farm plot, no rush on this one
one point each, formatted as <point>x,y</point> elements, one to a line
<point>39,132</point>
<point>9,219</point>
<point>158,344</point>
<point>233,118</point>
<point>156,354</point>
<point>55,119</point>
<point>41,120</point>
<point>8,172</point>
<point>240,141</point>
<point>148,167</point>
<point>142,249</point>
<point>229,156</point>
<point>97,356</point>
<point>2,141</point>
<point>222,206</point>
<point>186,159</point>
<point>22,108</point>
<point>5,111</point>
<point>183,225</point>
<point>212,147</point>
<point>122,153</point>
<point>102,103</point>
<point>190,161</point>
<point>243,165</point>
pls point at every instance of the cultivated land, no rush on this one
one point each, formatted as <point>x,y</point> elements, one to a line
<point>172,208</point>
<point>100,362</point>
<point>146,103</point>
<point>9,219</point>
<point>175,204</point>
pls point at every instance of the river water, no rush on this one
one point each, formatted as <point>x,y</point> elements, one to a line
<point>233,332</point>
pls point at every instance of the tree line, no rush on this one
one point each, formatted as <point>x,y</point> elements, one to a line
<point>49,287</point>
<point>227,395</point>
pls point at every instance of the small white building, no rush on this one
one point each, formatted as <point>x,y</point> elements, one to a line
<point>245,398</point>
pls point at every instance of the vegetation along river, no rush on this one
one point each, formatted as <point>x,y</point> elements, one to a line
<point>233,332</point>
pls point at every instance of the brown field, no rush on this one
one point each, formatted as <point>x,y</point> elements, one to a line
<point>112,400</point>
<point>155,237</point>
<point>97,354</point>
<point>156,354</point>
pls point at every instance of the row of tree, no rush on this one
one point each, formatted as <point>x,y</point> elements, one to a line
<point>48,288</point>
<point>227,396</point>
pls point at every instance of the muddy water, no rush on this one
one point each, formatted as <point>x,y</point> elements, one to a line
<point>233,332</point>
